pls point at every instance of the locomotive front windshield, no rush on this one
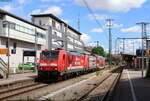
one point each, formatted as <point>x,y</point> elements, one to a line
<point>50,55</point>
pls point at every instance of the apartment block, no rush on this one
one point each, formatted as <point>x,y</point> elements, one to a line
<point>59,34</point>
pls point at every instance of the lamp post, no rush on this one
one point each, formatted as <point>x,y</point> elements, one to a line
<point>8,43</point>
<point>35,48</point>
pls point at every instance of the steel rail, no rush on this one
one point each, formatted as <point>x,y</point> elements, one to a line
<point>107,96</point>
<point>107,93</point>
<point>21,90</point>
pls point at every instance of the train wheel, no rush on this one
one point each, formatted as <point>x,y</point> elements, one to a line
<point>60,78</point>
<point>64,77</point>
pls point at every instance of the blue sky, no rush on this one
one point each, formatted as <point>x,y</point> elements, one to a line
<point>124,12</point>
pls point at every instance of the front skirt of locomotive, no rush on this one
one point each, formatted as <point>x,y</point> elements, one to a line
<point>48,75</point>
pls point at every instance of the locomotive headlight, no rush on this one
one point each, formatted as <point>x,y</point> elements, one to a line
<point>53,64</point>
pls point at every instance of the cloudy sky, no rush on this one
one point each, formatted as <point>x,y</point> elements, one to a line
<point>124,12</point>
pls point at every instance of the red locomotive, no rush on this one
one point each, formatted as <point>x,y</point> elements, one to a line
<point>57,63</point>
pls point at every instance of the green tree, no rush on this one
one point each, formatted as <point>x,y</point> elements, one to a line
<point>99,51</point>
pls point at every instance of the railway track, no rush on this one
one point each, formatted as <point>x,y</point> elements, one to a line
<point>16,84</point>
<point>13,92</point>
<point>108,93</point>
<point>8,93</point>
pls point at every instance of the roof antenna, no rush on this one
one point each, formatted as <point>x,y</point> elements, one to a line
<point>78,22</point>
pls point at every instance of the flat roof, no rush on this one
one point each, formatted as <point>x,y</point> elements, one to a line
<point>19,18</point>
<point>57,19</point>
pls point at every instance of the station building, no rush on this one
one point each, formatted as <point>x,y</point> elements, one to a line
<point>59,33</point>
<point>21,36</point>
<point>46,31</point>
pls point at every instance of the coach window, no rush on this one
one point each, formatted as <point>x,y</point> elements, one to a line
<point>64,58</point>
<point>70,59</point>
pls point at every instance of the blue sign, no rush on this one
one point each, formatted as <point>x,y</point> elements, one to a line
<point>13,51</point>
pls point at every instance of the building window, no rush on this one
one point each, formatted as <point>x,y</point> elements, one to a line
<point>53,24</point>
<point>12,26</point>
<point>55,33</point>
<point>40,35</point>
<point>4,25</point>
<point>1,16</point>
<point>17,27</point>
<point>14,45</point>
<point>24,29</point>
<point>6,44</point>
<point>40,22</point>
<point>62,28</point>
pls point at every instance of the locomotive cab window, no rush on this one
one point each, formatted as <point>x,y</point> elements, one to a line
<point>50,55</point>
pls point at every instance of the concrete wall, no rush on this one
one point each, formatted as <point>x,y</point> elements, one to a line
<point>17,58</point>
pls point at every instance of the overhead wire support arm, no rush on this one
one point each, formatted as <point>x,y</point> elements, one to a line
<point>143,25</point>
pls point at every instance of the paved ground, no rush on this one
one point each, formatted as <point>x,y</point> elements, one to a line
<point>132,87</point>
<point>18,77</point>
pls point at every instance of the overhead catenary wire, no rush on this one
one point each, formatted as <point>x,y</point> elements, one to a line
<point>90,10</point>
<point>95,18</point>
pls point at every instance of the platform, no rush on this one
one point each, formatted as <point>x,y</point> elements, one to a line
<point>132,87</point>
<point>18,77</point>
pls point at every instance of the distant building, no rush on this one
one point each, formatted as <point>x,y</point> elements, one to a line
<point>88,49</point>
<point>59,33</point>
<point>23,35</point>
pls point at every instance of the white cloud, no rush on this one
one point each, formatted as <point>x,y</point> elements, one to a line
<point>50,0</point>
<point>117,25</point>
<point>8,8</point>
<point>54,10</point>
<point>21,1</point>
<point>97,16</point>
<point>97,30</point>
<point>85,38</point>
<point>131,29</point>
<point>112,5</point>
<point>37,11</point>
<point>44,6</point>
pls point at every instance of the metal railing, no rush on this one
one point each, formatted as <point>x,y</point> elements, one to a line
<point>3,68</point>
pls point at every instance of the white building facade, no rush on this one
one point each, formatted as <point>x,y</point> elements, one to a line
<point>59,34</point>
<point>21,36</point>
